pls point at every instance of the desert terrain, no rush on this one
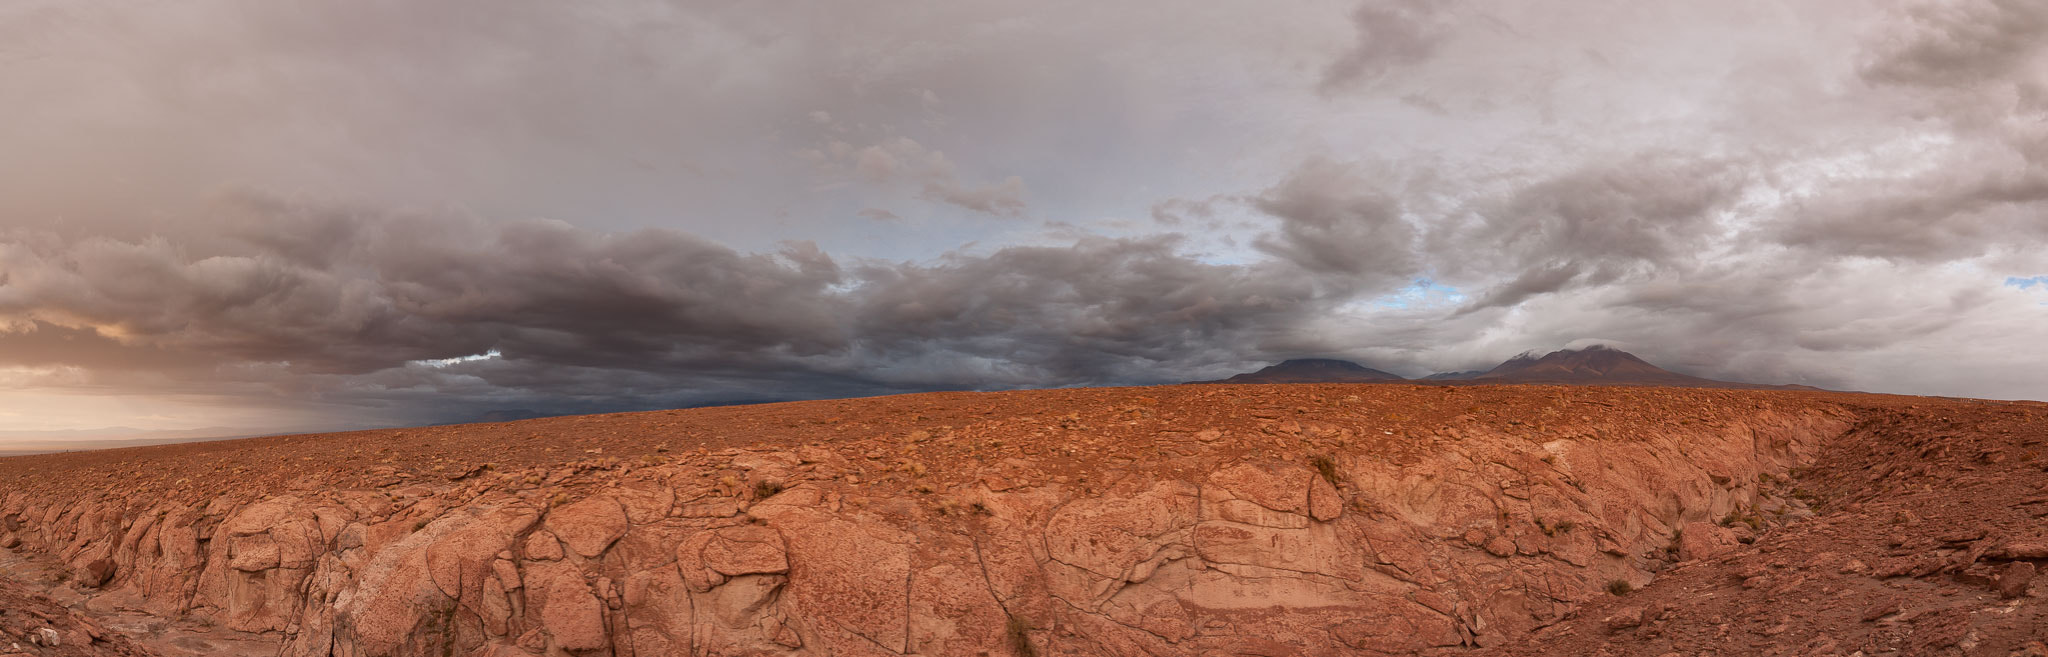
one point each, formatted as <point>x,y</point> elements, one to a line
<point>1309,519</point>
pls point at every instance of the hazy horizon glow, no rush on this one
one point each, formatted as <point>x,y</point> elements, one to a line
<point>317,215</point>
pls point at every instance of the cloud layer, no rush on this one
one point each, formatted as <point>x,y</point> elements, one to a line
<point>380,213</point>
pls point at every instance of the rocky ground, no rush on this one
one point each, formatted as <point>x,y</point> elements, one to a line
<point>1926,541</point>
<point>33,624</point>
<point>1178,520</point>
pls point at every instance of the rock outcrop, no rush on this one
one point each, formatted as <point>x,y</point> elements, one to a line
<point>1273,533</point>
<point>32,624</point>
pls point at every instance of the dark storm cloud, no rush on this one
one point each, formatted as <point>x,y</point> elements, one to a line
<point>391,289</point>
<point>1647,208</point>
<point>1595,224</point>
<point>1540,280</point>
<point>1098,311</point>
<point>381,307</point>
<point>1338,218</point>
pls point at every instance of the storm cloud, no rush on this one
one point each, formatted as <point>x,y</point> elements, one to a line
<point>347,214</point>
<point>541,312</point>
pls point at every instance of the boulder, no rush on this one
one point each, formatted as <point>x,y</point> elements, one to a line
<point>1702,540</point>
<point>573,615</point>
<point>590,526</point>
<point>96,572</point>
<point>2013,579</point>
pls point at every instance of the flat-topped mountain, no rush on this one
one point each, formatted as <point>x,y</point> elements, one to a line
<point>1314,370</point>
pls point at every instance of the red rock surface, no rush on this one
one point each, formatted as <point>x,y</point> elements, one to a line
<point>33,624</point>
<point>1928,525</point>
<point>1180,520</point>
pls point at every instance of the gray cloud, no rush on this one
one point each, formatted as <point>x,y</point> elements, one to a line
<point>1391,34</point>
<point>1339,219</point>
<point>877,214</point>
<point>393,289</point>
<point>545,311</point>
<point>1968,211</point>
<point>902,160</point>
<point>1601,222</point>
<point>1648,207</point>
<point>414,212</point>
<point>1957,43</point>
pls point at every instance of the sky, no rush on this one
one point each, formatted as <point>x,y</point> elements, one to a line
<point>325,214</point>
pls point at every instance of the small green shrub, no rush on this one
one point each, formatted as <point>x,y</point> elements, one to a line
<point>1018,631</point>
<point>1325,467</point>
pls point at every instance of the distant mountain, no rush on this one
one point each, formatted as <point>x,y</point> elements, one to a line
<point>1595,365</point>
<point>17,443</point>
<point>1313,370</point>
<point>1592,365</point>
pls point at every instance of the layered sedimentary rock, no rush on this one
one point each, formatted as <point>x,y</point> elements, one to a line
<point>1139,529</point>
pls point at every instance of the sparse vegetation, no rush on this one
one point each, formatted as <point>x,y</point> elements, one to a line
<point>1620,587</point>
<point>1018,631</point>
<point>1325,467</point>
<point>1553,529</point>
<point>765,489</point>
<point>1755,522</point>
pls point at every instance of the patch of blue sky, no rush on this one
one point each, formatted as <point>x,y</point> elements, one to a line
<point>1423,293</point>
<point>2034,284</point>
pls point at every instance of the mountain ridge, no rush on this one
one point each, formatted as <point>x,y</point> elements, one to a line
<point>1314,370</point>
<point>1592,365</point>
